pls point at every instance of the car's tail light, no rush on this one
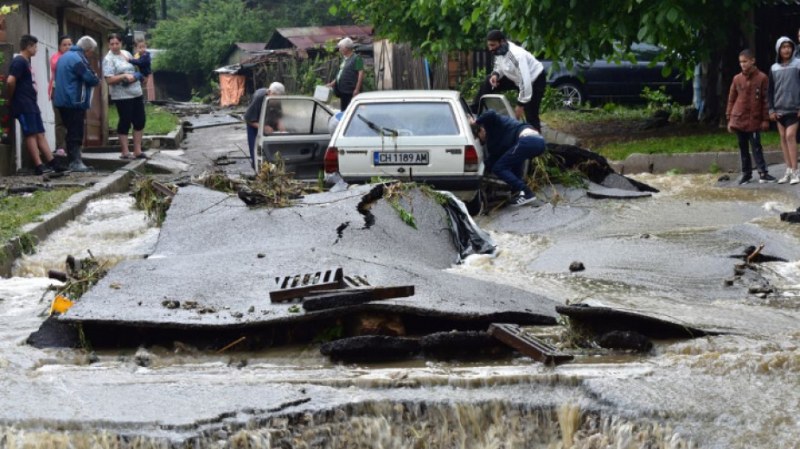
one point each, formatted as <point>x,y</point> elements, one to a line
<point>331,160</point>
<point>470,158</point>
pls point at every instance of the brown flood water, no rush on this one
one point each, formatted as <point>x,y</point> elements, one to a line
<point>736,390</point>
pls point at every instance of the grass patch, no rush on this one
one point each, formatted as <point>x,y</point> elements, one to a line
<point>618,131</point>
<point>159,120</point>
<point>559,118</point>
<point>716,140</point>
<point>19,210</point>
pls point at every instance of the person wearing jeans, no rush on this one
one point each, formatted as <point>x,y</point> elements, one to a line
<point>510,144</point>
<point>75,82</point>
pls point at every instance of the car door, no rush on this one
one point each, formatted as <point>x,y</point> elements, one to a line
<point>300,133</point>
<point>497,102</point>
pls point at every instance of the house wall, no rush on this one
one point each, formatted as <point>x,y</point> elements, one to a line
<point>75,22</point>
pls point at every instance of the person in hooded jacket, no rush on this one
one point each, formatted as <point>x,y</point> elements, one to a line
<point>784,104</point>
<point>515,69</point>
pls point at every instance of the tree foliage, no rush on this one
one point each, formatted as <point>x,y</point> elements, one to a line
<point>142,11</point>
<point>562,30</point>
<point>195,44</point>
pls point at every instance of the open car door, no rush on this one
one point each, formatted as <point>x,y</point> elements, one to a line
<point>298,131</point>
<point>497,102</point>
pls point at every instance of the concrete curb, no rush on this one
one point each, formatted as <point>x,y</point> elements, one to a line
<point>171,140</point>
<point>117,182</point>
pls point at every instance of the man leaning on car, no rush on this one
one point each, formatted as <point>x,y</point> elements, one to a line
<point>515,69</point>
<point>510,143</point>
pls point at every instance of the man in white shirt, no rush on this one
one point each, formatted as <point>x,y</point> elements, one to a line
<point>515,69</point>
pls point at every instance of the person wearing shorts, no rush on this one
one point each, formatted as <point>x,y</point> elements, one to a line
<point>125,88</point>
<point>784,104</point>
<point>22,93</point>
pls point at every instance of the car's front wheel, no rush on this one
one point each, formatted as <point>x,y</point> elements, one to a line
<point>570,95</point>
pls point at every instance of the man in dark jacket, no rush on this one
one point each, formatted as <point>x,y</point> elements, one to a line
<point>509,143</point>
<point>75,82</point>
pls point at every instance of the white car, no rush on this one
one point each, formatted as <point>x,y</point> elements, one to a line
<point>412,135</point>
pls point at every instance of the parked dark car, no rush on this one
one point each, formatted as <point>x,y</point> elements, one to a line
<point>623,82</point>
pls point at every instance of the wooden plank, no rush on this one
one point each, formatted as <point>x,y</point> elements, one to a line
<point>513,336</point>
<point>161,188</point>
<point>327,299</point>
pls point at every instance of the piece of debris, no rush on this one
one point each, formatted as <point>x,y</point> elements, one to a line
<point>625,340</point>
<point>513,336</point>
<point>224,160</point>
<point>576,266</point>
<point>171,303</point>
<point>143,358</point>
<point>296,286</point>
<point>371,348</point>
<point>60,305</point>
<point>57,275</point>
<point>752,254</point>
<point>231,344</point>
<point>327,299</point>
<point>462,345</point>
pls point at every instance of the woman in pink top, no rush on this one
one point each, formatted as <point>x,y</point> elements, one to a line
<point>64,44</point>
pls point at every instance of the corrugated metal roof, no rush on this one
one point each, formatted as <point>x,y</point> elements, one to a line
<point>304,38</point>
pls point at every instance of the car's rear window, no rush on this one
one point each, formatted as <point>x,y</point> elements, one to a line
<point>407,119</point>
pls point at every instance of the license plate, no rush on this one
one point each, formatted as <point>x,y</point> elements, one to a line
<point>400,158</point>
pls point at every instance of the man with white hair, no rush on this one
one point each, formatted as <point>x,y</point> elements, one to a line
<point>253,114</point>
<point>351,74</point>
<point>75,81</point>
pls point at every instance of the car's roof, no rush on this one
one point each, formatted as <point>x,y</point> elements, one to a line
<point>408,94</point>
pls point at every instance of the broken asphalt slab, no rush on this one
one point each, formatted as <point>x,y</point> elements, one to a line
<point>602,320</point>
<point>217,260</point>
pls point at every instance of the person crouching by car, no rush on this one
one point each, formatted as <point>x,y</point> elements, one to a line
<point>253,114</point>
<point>509,143</point>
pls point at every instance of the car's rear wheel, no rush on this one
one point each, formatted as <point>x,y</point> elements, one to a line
<point>475,205</point>
<point>570,95</point>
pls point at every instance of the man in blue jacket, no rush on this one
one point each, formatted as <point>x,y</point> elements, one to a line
<point>75,82</point>
<point>509,144</point>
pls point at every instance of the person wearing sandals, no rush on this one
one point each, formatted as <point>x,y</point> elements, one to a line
<point>125,88</point>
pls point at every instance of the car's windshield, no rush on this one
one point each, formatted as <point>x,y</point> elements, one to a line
<point>430,118</point>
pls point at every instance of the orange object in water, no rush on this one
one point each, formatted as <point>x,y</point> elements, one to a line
<point>60,304</point>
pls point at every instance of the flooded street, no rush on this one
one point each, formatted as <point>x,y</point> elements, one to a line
<point>667,255</point>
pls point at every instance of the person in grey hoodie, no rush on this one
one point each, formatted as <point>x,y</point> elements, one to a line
<point>784,104</point>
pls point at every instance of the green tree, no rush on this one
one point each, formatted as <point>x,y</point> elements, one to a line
<point>568,31</point>
<point>195,44</point>
<point>142,11</point>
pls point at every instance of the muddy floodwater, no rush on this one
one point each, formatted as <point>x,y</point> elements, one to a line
<point>661,255</point>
